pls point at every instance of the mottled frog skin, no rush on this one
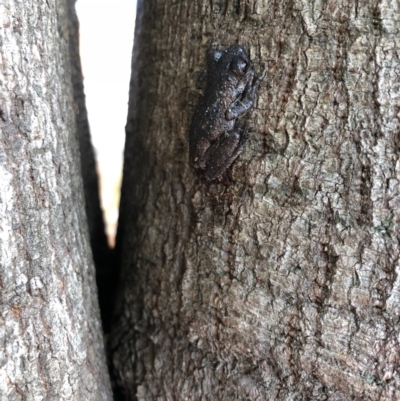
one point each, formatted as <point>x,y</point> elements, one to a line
<point>230,91</point>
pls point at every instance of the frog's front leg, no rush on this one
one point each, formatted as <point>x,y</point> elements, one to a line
<point>223,153</point>
<point>245,102</point>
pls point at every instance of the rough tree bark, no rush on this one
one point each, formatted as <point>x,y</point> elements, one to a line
<point>50,331</point>
<point>280,282</point>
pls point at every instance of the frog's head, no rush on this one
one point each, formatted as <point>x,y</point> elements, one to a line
<point>234,60</point>
<point>237,60</point>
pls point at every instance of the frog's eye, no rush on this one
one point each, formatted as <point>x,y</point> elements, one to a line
<point>238,65</point>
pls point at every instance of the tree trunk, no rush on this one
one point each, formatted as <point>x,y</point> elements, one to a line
<point>280,281</point>
<point>50,331</point>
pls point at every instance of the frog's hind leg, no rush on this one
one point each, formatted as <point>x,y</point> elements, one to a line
<point>224,153</point>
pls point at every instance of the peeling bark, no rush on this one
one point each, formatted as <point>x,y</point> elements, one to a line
<point>50,331</point>
<point>280,281</point>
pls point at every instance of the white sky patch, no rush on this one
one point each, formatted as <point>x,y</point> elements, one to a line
<point>106,42</point>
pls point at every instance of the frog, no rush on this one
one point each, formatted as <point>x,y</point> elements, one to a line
<point>231,84</point>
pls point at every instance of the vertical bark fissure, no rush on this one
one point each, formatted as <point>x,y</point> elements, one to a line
<point>105,264</point>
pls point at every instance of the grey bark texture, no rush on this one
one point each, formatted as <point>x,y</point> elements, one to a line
<point>50,331</point>
<point>281,281</point>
